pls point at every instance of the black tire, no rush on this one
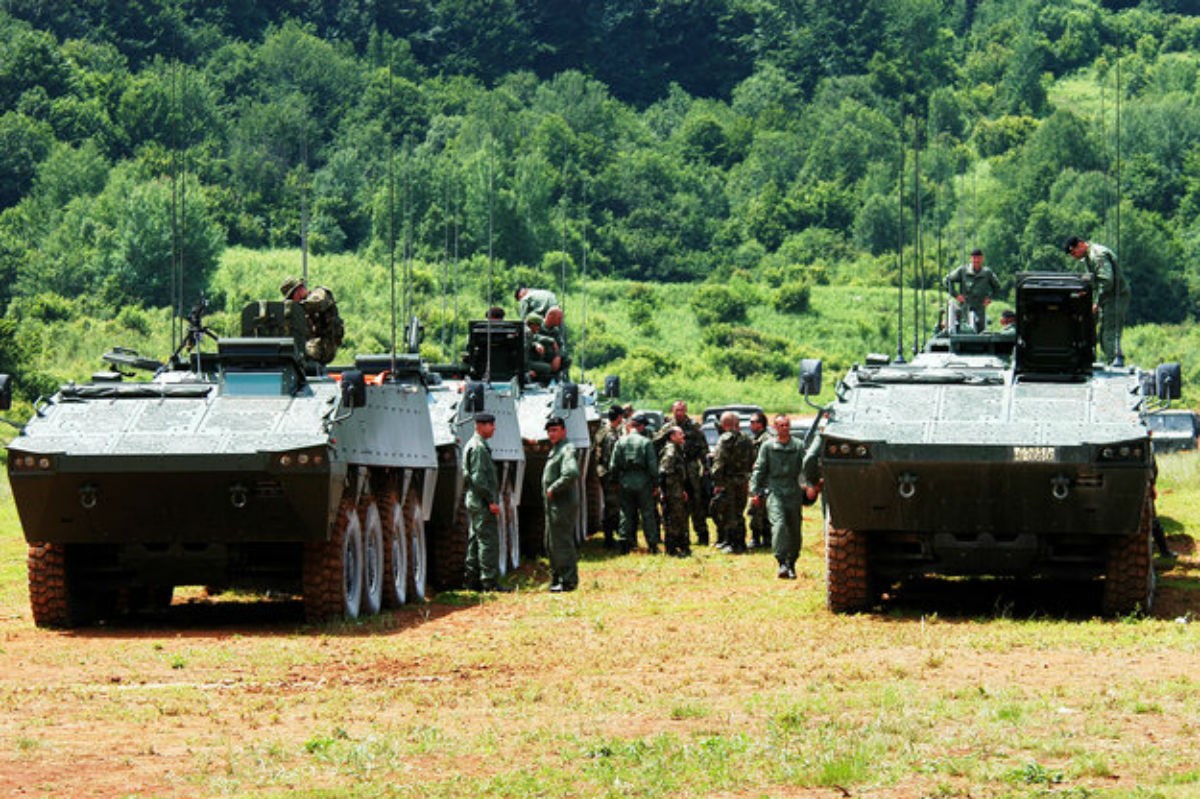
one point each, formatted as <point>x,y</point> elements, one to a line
<point>847,571</point>
<point>333,570</point>
<point>50,595</point>
<point>1129,574</point>
<point>395,551</point>
<point>448,551</point>
<point>418,552</point>
<point>374,575</point>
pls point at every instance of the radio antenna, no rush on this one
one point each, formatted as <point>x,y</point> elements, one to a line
<point>900,249</point>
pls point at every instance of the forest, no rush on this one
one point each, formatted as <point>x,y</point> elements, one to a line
<point>760,159</point>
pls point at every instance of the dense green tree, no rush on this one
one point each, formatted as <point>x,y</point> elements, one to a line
<point>24,142</point>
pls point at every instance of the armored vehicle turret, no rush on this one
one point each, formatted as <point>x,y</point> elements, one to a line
<point>993,454</point>
<point>244,467</point>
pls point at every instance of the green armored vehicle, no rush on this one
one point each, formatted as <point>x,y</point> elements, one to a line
<point>244,467</point>
<point>993,454</point>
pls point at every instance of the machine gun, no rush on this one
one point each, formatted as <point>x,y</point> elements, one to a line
<point>195,333</point>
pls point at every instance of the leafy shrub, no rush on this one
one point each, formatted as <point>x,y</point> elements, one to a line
<point>714,303</point>
<point>793,298</point>
<point>132,317</point>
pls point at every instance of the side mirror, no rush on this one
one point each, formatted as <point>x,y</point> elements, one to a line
<point>5,392</point>
<point>1169,380</point>
<point>472,401</point>
<point>354,389</point>
<point>612,386</point>
<point>810,376</point>
<point>570,396</point>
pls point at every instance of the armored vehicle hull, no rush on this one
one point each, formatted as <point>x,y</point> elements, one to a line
<point>250,470</point>
<point>992,455</point>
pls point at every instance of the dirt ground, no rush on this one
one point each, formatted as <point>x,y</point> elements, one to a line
<point>239,698</point>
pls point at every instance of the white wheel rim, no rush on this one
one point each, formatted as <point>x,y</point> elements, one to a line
<point>514,533</point>
<point>398,579</point>
<point>419,563</point>
<point>502,537</point>
<point>352,566</point>
<point>372,534</point>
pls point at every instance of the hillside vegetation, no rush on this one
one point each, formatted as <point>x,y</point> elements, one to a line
<point>741,179</point>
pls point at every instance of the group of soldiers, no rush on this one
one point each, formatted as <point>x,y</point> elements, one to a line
<point>665,477</point>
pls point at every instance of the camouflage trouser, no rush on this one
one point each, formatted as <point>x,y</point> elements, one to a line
<point>729,513</point>
<point>1112,322</point>
<point>320,350</point>
<point>483,547</point>
<point>697,506</point>
<point>611,522</point>
<point>675,523</point>
<point>760,526</point>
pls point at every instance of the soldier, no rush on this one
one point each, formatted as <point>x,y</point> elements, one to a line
<point>481,491</point>
<point>554,329</point>
<point>672,483</point>
<point>634,466</point>
<point>538,301</point>
<point>325,328</point>
<point>606,438</point>
<point>760,528</point>
<point>972,285</point>
<point>627,417</point>
<point>776,482</point>
<point>732,462</point>
<point>1008,323</point>
<point>695,453</point>
<point>560,482</point>
<point>541,360</point>
<point>1112,294</point>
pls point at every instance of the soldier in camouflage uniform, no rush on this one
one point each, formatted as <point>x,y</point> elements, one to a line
<point>481,493</point>
<point>325,327</point>
<point>541,356</point>
<point>732,462</point>
<point>554,329</point>
<point>1112,293</point>
<point>695,453</point>
<point>775,481</point>
<point>672,483</point>
<point>560,484</point>
<point>606,438</point>
<point>635,467</point>
<point>538,301</point>
<point>972,285</point>
<point>760,528</point>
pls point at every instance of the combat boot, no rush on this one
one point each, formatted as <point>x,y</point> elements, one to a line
<point>783,571</point>
<point>791,570</point>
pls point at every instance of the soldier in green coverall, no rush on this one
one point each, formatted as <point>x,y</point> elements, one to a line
<point>972,285</point>
<point>635,467</point>
<point>481,493</point>
<point>776,482</point>
<point>560,483</point>
<point>1112,293</point>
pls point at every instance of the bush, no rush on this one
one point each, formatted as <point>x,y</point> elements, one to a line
<point>793,298</point>
<point>713,304</point>
<point>132,317</point>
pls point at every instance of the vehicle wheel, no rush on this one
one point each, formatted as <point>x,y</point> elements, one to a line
<point>449,551</point>
<point>1129,575</point>
<point>395,552</point>
<point>513,520</point>
<point>373,572</point>
<point>847,571</point>
<point>50,596</point>
<point>502,536</point>
<point>418,558</point>
<point>333,569</point>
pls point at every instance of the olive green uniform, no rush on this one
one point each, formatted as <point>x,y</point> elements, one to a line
<point>732,461</point>
<point>538,301</point>
<point>607,438</point>
<point>777,476</point>
<point>560,484</point>
<point>634,466</point>
<point>976,287</point>
<point>481,488</point>
<point>672,480</point>
<point>325,327</point>
<point>760,528</point>
<point>1112,297</point>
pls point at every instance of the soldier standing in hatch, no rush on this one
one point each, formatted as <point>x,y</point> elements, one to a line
<point>695,455</point>
<point>672,482</point>
<point>325,328</point>
<point>732,462</point>
<point>635,467</point>
<point>760,528</point>
<point>973,285</point>
<point>481,491</point>
<point>607,436</point>
<point>775,481</point>
<point>560,483</point>
<point>1112,293</point>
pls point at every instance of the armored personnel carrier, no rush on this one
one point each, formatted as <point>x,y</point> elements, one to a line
<point>993,454</point>
<point>244,467</point>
